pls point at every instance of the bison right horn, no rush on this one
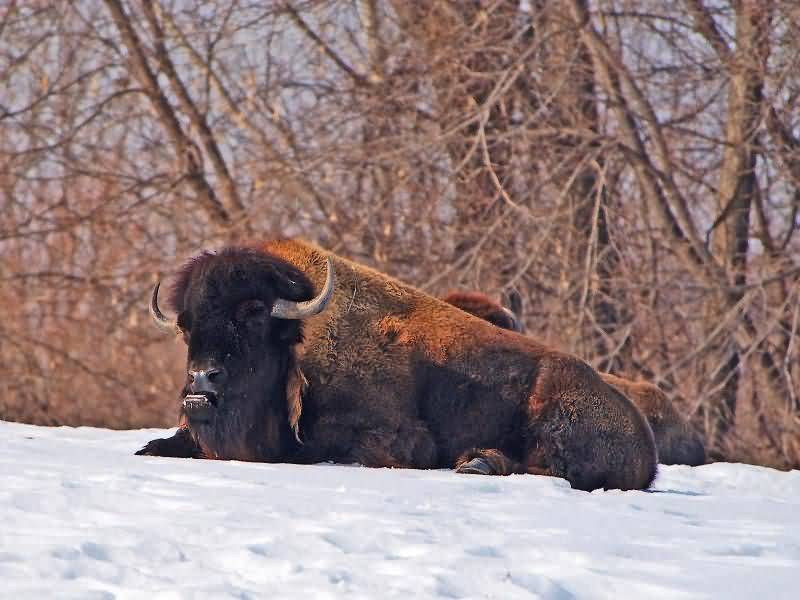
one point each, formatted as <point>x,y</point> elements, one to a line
<point>287,309</point>
<point>161,321</point>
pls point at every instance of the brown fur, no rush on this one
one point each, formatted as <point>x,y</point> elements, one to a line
<point>676,440</point>
<point>476,304</point>
<point>399,378</point>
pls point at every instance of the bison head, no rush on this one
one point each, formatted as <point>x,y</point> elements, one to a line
<point>240,311</point>
<point>480,305</point>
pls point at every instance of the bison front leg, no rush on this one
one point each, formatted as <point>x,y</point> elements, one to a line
<point>180,445</point>
<point>407,446</point>
<point>486,461</point>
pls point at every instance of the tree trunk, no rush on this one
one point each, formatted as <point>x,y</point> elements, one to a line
<point>738,187</point>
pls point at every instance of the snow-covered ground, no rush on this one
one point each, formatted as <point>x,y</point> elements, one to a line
<point>81,517</point>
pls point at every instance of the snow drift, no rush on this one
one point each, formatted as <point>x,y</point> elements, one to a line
<point>84,518</point>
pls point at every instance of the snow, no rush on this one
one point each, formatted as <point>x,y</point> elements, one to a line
<point>81,517</point>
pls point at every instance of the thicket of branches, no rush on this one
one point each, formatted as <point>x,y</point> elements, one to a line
<point>630,169</point>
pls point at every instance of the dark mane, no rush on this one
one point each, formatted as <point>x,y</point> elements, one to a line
<point>241,270</point>
<point>257,413</point>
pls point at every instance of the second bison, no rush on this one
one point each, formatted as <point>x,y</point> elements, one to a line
<point>676,439</point>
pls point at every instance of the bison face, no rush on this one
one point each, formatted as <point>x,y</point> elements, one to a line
<point>239,312</point>
<point>235,354</point>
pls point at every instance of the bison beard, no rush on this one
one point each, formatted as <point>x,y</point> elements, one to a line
<point>676,440</point>
<point>389,376</point>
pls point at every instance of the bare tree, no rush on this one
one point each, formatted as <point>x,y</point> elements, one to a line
<point>629,172</point>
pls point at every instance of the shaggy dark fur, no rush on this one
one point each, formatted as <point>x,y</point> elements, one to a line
<point>392,377</point>
<point>676,439</point>
<point>223,302</point>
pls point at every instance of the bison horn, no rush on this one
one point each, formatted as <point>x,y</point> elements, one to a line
<point>287,309</point>
<point>163,322</point>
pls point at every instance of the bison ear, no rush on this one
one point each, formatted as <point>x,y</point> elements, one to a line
<point>515,303</point>
<point>296,385</point>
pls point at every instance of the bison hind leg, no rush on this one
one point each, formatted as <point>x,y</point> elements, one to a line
<point>685,448</point>
<point>486,461</point>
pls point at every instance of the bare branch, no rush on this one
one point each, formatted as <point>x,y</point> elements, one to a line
<point>183,146</point>
<point>705,26</point>
<point>324,47</point>
<point>613,74</point>
<point>230,196</point>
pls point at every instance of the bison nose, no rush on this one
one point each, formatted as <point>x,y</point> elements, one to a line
<point>210,378</point>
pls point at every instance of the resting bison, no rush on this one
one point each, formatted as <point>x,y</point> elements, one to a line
<point>479,305</point>
<point>373,371</point>
<point>676,440</point>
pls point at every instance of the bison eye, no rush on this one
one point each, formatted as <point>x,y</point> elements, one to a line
<point>250,309</point>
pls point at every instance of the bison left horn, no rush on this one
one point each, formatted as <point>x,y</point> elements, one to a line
<point>163,322</point>
<point>287,309</point>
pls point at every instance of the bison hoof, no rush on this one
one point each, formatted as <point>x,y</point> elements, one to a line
<point>152,448</point>
<point>477,466</point>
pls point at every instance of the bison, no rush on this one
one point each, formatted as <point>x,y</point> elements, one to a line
<point>676,439</point>
<point>370,370</point>
<point>481,306</point>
